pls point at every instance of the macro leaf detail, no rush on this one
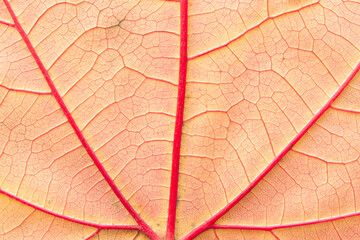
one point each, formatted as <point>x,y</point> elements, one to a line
<point>178,119</point>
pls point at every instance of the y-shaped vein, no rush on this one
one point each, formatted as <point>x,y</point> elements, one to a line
<point>145,228</point>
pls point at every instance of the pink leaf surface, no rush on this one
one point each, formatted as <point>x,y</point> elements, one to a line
<point>179,119</point>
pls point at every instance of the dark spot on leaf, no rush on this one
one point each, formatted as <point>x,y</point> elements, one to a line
<point>117,23</point>
<point>177,200</point>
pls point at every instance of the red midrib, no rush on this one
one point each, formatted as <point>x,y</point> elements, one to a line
<point>144,227</point>
<point>170,231</point>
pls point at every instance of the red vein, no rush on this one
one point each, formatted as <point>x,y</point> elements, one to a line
<point>250,29</point>
<point>6,23</point>
<point>25,91</point>
<point>206,225</point>
<point>99,226</point>
<point>93,234</point>
<point>269,228</point>
<point>274,235</point>
<point>144,227</point>
<point>170,231</point>
<point>345,110</point>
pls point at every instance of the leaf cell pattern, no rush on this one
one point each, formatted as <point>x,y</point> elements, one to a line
<point>179,119</point>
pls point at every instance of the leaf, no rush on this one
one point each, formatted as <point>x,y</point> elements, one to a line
<point>179,120</point>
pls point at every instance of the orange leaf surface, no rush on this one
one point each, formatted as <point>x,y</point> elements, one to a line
<point>178,119</point>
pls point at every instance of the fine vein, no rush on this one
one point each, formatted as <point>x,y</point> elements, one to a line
<point>208,224</point>
<point>74,220</point>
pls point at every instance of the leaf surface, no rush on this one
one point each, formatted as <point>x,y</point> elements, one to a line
<point>179,119</point>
